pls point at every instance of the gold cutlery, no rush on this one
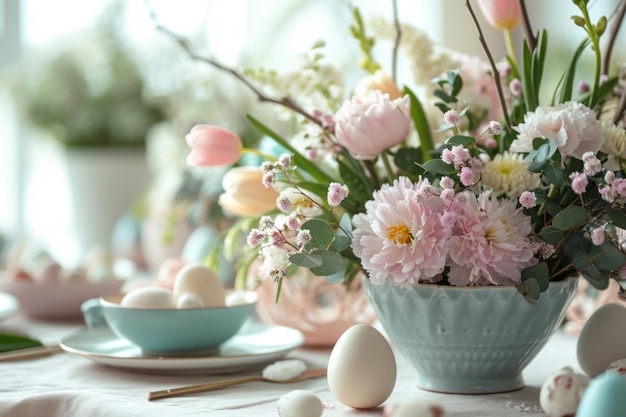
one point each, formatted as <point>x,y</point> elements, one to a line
<point>29,353</point>
<point>174,392</point>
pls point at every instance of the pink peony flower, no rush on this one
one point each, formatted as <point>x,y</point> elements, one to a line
<point>490,242</point>
<point>401,240</point>
<point>366,126</point>
<point>501,14</point>
<point>212,146</point>
<point>573,126</point>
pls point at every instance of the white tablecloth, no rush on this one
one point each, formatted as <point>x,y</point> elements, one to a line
<point>62,385</point>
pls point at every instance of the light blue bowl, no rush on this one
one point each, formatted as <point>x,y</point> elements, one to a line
<point>469,340</point>
<point>173,331</point>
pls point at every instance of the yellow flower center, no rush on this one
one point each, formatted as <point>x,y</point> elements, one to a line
<point>400,235</point>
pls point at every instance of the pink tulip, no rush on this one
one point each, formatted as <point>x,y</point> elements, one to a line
<point>501,14</point>
<point>366,126</point>
<point>212,146</point>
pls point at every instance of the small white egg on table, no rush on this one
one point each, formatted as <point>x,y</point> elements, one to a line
<point>299,403</point>
<point>561,393</point>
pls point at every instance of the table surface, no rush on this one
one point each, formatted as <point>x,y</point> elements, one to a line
<point>65,385</point>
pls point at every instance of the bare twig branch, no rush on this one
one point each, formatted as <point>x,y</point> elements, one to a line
<point>617,23</point>
<point>396,44</point>
<point>531,40</point>
<point>619,112</point>
<point>494,68</point>
<point>285,101</point>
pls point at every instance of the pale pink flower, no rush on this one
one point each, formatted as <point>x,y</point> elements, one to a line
<point>490,242</point>
<point>495,127</point>
<point>501,14</point>
<point>597,235</point>
<point>592,164</point>
<point>303,237</point>
<point>451,117</point>
<point>285,161</point>
<point>515,87</point>
<point>446,182</point>
<point>528,199</point>
<point>366,126</point>
<point>212,146</point>
<point>466,176</point>
<point>255,237</point>
<point>284,203</point>
<point>336,193</point>
<point>400,240</point>
<point>579,182</point>
<point>573,126</point>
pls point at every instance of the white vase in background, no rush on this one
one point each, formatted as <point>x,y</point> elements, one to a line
<point>103,183</point>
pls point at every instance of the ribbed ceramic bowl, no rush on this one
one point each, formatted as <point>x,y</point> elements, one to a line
<point>178,331</point>
<point>469,340</point>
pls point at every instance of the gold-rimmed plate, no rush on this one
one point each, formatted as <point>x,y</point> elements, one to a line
<point>254,344</point>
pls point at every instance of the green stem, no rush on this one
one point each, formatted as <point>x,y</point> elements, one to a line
<point>595,41</point>
<point>388,168</point>
<point>508,38</point>
<point>256,152</point>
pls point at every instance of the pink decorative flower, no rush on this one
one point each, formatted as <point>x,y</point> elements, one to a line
<point>366,126</point>
<point>490,242</point>
<point>501,14</point>
<point>573,126</point>
<point>401,240</point>
<point>212,146</point>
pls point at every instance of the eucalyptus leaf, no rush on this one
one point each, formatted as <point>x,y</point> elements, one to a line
<point>618,216</point>
<point>571,217</point>
<point>306,260</point>
<point>341,242</point>
<point>438,167</point>
<point>540,273</point>
<point>322,234</point>
<point>407,159</point>
<point>461,140</point>
<point>340,275</point>
<point>332,263</point>
<point>530,289</point>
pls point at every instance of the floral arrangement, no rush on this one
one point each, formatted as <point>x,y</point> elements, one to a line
<point>502,186</point>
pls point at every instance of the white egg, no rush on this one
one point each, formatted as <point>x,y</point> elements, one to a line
<point>189,300</point>
<point>299,403</point>
<point>561,393</point>
<point>415,407</point>
<point>198,279</point>
<point>148,297</point>
<point>361,368</point>
<point>602,340</point>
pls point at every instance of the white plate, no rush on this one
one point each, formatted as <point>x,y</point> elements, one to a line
<point>8,305</point>
<point>254,344</point>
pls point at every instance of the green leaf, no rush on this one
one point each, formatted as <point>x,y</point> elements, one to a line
<point>461,140</point>
<point>540,273</point>
<point>438,167</point>
<point>306,260</point>
<point>340,275</point>
<point>421,125</point>
<point>607,257</point>
<point>617,216</point>
<point>332,262</point>
<point>551,235</point>
<point>554,175</point>
<point>10,342</point>
<point>571,217</point>
<point>322,234</point>
<point>345,223</point>
<point>569,76</point>
<point>341,242</point>
<point>298,159</point>
<point>530,289</point>
<point>407,159</point>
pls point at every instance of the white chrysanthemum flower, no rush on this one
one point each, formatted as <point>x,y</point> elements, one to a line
<point>614,145</point>
<point>573,126</point>
<point>507,175</point>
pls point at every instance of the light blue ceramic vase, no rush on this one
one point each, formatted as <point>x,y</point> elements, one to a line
<point>469,340</point>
